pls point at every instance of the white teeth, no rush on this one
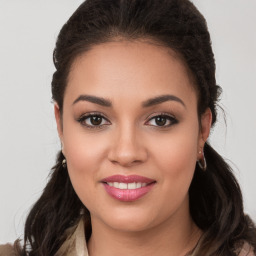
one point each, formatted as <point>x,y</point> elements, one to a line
<point>122,185</point>
<point>132,185</point>
<point>138,185</point>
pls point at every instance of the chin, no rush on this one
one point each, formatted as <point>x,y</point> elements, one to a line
<point>129,220</point>
<point>131,225</point>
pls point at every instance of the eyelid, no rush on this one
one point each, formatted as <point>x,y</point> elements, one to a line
<point>164,114</point>
<point>90,114</point>
<point>172,119</point>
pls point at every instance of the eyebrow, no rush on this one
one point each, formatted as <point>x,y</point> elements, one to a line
<point>161,99</point>
<point>148,103</point>
<point>94,99</point>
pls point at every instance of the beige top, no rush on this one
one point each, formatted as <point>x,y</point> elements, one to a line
<point>76,246</point>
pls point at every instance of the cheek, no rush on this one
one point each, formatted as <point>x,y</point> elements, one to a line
<point>83,149</point>
<point>176,157</point>
<point>84,158</point>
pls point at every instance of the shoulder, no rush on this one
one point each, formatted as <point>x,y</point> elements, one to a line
<point>10,250</point>
<point>7,250</point>
<point>245,249</point>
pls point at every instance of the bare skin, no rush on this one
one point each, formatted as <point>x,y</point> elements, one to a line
<point>161,142</point>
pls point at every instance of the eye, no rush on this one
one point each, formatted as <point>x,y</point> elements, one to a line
<point>93,120</point>
<point>162,120</point>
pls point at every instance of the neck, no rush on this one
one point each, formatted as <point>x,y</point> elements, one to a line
<point>176,236</point>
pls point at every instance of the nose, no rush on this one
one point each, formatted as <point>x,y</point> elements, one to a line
<point>127,149</point>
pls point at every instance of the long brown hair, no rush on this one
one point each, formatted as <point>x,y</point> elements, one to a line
<point>216,204</point>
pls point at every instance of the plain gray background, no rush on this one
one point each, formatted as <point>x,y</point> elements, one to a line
<point>28,137</point>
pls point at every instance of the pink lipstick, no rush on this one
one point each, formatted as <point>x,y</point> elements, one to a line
<point>127,188</point>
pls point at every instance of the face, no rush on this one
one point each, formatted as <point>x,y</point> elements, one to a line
<point>130,134</point>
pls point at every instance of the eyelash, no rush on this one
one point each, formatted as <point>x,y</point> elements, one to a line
<point>83,119</point>
<point>169,118</point>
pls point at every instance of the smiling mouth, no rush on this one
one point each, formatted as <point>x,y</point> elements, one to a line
<point>122,185</point>
<point>127,188</point>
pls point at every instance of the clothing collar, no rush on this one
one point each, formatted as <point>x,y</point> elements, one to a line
<point>75,245</point>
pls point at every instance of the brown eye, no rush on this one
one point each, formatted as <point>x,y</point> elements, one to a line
<point>163,120</point>
<point>160,120</point>
<point>95,120</point>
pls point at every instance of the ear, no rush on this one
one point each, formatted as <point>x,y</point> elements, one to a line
<point>59,123</point>
<point>205,127</point>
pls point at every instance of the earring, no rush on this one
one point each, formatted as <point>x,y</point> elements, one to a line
<point>202,162</point>
<point>64,163</point>
<point>82,211</point>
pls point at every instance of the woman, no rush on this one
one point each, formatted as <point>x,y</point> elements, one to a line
<point>135,98</point>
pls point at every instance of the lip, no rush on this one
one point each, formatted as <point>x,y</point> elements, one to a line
<point>128,195</point>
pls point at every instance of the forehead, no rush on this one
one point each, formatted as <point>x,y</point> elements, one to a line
<point>123,68</point>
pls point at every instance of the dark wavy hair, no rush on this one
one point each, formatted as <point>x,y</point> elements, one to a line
<point>216,204</point>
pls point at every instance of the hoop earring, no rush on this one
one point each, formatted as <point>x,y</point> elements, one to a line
<point>64,163</point>
<point>202,162</point>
